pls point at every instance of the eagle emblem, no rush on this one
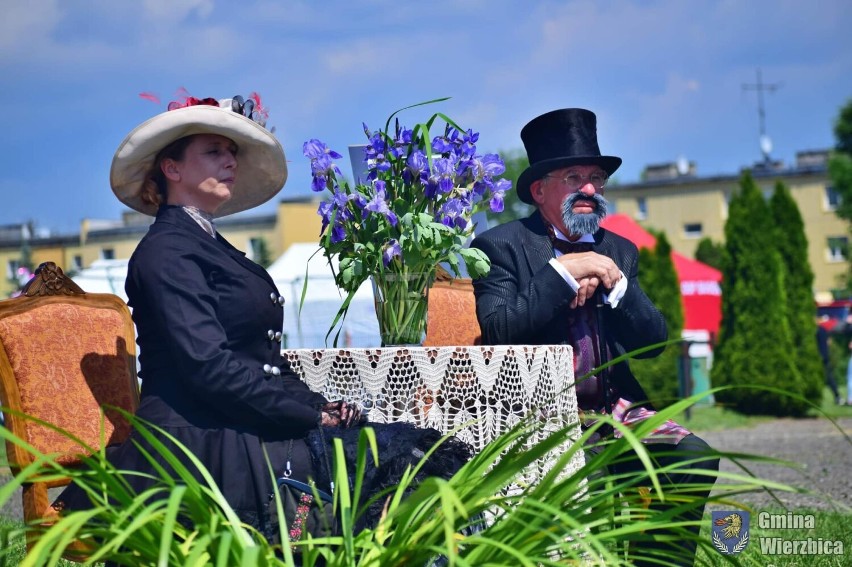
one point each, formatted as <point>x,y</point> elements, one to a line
<point>730,531</point>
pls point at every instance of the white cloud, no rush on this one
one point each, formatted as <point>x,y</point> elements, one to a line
<point>175,11</point>
<point>27,26</point>
<point>361,58</point>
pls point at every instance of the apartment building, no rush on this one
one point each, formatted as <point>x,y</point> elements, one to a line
<point>295,220</point>
<point>674,198</point>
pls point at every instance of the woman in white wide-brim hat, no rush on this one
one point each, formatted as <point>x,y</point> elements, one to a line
<point>208,319</point>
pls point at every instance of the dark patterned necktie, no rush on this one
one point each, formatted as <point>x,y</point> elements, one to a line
<point>583,337</point>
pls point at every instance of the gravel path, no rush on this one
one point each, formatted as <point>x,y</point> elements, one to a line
<point>822,454</point>
<point>824,457</point>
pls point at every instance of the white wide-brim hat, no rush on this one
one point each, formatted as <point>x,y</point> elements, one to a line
<point>261,165</point>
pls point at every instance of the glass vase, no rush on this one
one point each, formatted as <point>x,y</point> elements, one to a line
<point>402,302</point>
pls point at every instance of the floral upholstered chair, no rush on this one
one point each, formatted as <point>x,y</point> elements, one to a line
<point>64,355</point>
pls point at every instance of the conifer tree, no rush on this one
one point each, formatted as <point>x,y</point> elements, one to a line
<point>755,345</point>
<point>798,278</point>
<point>658,278</point>
<point>840,168</point>
<point>709,252</point>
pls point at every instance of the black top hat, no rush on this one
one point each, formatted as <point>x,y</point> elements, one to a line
<point>558,139</point>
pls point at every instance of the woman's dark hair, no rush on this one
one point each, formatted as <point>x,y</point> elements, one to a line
<point>155,188</point>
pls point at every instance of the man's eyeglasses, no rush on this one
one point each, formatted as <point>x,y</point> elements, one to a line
<point>574,180</point>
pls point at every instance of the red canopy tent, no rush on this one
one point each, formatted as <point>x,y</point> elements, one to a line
<point>699,283</point>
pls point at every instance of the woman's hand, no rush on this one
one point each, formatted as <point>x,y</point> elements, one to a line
<point>340,414</point>
<point>329,420</point>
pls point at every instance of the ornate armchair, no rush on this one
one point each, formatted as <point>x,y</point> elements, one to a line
<point>451,318</point>
<point>64,354</point>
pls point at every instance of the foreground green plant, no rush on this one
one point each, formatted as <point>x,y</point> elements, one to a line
<point>566,517</point>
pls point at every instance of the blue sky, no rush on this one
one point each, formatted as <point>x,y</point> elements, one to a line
<point>665,78</point>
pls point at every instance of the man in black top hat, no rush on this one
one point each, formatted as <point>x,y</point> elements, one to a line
<point>558,278</point>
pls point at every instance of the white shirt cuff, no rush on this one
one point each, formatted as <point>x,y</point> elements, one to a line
<point>611,298</point>
<point>617,292</point>
<point>560,269</point>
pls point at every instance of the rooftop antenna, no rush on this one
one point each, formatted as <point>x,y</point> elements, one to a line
<point>760,87</point>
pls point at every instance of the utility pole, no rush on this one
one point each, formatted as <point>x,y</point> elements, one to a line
<point>760,87</point>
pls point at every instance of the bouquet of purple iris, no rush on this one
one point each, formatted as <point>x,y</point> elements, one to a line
<point>412,212</point>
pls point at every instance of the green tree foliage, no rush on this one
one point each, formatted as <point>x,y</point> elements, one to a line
<point>516,162</point>
<point>840,169</point>
<point>755,345</point>
<point>658,278</point>
<point>843,129</point>
<point>709,252</point>
<point>798,281</point>
<point>261,253</point>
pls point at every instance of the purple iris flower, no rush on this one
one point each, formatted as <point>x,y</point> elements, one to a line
<point>321,168</point>
<point>489,165</point>
<point>402,143</point>
<point>392,250</point>
<point>467,147</point>
<point>325,210</point>
<point>497,194</point>
<point>417,167</point>
<point>441,145</point>
<point>318,183</point>
<point>405,136</point>
<point>379,205</point>
<point>452,214</point>
<point>359,200</point>
<point>481,186</point>
<point>338,233</point>
<point>340,200</point>
<point>443,176</point>
<point>376,146</point>
<point>314,148</point>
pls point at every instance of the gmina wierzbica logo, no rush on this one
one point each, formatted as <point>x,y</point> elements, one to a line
<point>730,531</point>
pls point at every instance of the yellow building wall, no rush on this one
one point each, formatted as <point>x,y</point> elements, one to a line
<point>298,221</point>
<point>241,238</point>
<point>670,207</point>
<point>820,224</point>
<point>55,254</point>
<point>295,221</point>
<point>6,286</point>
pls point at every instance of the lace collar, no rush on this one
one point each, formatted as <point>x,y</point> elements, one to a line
<point>204,220</point>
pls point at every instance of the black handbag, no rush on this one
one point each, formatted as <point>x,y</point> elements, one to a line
<point>307,509</point>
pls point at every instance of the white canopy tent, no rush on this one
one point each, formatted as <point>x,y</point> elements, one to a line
<point>104,276</point>
<point>307,328</point>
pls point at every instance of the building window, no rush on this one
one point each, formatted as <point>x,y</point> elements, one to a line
<point>838,248</point>
<point>641,208</point>
<point>832,198</point>
<point>107,254</point>
<point>692,230</point>
<point>77,262</point>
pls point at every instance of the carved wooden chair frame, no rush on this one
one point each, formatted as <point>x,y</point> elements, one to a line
<point>51,287</point>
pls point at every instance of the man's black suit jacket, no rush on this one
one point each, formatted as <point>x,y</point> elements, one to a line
<point>523,300</point>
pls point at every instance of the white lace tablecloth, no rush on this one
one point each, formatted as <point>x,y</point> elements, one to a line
<point>492,387</point>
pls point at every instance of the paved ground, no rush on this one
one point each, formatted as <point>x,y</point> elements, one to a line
<point>822,453</point>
